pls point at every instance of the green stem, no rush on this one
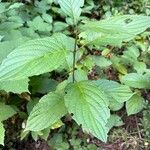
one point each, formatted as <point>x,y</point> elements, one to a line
<point>74,54</point>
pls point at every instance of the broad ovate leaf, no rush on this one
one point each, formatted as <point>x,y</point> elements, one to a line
<point>45,113</point>
<point>2,134</point>
<point>114,30</point>
<point>134,105</point>
<point>114,90</point>
<point>35,57</point>
<point>72,8</point>
<point>6,111</point>
<point>89,107</point>
<point>136,80</point>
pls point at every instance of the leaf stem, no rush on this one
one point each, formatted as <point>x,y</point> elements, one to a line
<point>74,54</point>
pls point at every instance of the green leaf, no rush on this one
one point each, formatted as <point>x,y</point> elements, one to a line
<point>2,8</point>
<point>102,61</point>
<point>80,75</point>
<point>2,134</point>
<point>136,80</point>
<point>114,30</point>
<point>89,106</point>
<point>15,6</point>
<point>114,121</point>
<point>114,90</point>
<point>6,112</point>
<point>59,26</point>
<point>131,55</point>
<point>72,8</point>
<point>115,105</point>
<point>47,18</point>
<point>140,67</point>
<point>38,24</point>
<point>49,109</point>
<point>35,57</point>
<point>8,46</point>
<point>134,105</point>
<point>16,86</point>
<point>9,26</point>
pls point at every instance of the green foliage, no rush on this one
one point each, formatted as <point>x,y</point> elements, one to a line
<point>2,134</point>
<point>6,112</point>
<point>35,60</point>
<point>145,123</point>
<point>115,30</point>
<point>114,90</point>
<point>114,121</point>
<point>91,109</point>
<point>49,109</point>
<point>35,57</point>
<point>72,8</point>
<point>135,104</point>
<point>15,86</point>
<point>137,80</point>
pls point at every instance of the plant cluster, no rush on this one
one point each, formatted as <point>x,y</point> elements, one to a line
<point>84,67</point>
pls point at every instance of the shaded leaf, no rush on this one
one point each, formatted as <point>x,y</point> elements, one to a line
<point>134,105</point>
<point>6,112</point>
<point>114,121</point>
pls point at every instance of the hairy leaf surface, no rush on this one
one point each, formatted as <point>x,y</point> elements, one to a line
<point>114,90</point>
<point>136,80</point>
<point>49,109</point>
<point>134,105</point>
<point>72,8</point>
<point>35,57</point>
<point>89,106</point>
<point>114,30</point>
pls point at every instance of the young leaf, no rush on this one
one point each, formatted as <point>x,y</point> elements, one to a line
<point>136,80</point>
<point>115,30</point>
<point>89,106</point>
<point>72,8</point>
<point>114,90</point>
<point>6,112</point>
<point>49,109</point>
<point>134,105</point>
<point>114,121</point>
<point>35,57</point>
<point>2,134</point>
